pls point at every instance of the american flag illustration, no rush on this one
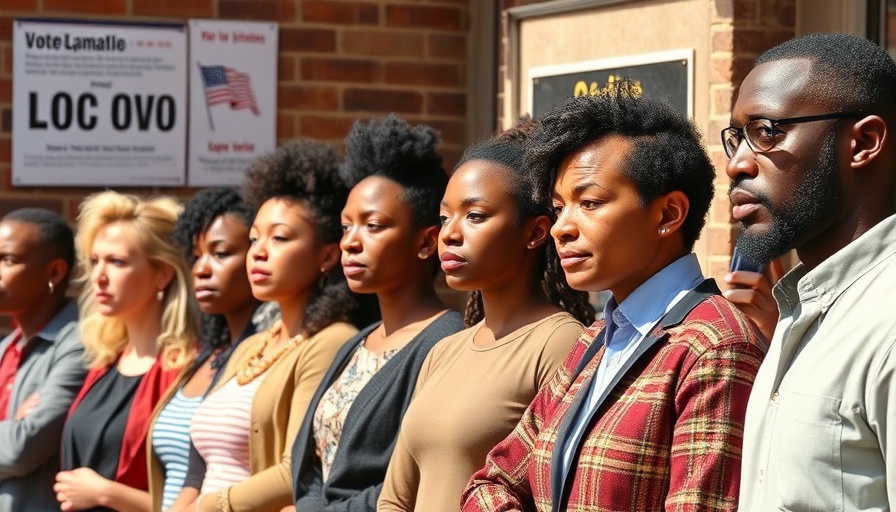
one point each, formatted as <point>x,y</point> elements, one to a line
<point>227,85</point>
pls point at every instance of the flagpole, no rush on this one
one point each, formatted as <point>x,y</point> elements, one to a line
<point>208,109</point>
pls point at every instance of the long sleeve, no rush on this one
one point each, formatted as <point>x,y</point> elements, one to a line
<point>271,488</point>
<point>27,443</point>
<point>882,413</point>
<point>708,434</point>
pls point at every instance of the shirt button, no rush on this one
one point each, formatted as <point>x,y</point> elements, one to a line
<point>775,396</point>
<point>761,478</point>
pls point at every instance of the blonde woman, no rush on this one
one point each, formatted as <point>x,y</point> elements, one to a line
<point>139,330</point>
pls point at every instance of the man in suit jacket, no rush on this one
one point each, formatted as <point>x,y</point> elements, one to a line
<point>41,368</point>
<point>647,412</point>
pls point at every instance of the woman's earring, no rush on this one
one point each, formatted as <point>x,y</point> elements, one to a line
<point>52,287</point>
<point>160,295</point>
<point>323,278</point>
<point>663,231</point>
<point>423,254</point>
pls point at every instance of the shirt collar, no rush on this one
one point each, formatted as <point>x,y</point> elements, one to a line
<point>65,316</point>
<point>650,301</point>
<point>837,273</point>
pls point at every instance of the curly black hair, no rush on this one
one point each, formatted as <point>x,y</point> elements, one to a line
<point>508,150</point>
<point>199,213</point>
<point>849,73</point>
<point>307,173</point>
<point>395,150</point>
<point>666,152</point>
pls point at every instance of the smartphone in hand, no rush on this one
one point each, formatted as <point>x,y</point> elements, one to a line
<point>740,262</point>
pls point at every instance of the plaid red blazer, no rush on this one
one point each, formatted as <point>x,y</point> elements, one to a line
<point>667,437</point>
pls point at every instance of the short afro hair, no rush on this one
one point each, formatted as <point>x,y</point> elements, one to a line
<point>202,210</point>
<point>849,73</point>
<point>666,149</point>
<point>54,236</point>
<point>307,173</point>
<point>395,150</point>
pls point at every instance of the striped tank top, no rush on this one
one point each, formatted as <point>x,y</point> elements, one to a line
<point>171,443</point>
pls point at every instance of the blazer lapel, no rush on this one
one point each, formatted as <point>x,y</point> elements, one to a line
<point>560,473</point>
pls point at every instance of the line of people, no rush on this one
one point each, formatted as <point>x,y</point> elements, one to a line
<point>284,348</point>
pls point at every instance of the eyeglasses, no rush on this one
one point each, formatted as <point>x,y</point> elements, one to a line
<point>762,135</point>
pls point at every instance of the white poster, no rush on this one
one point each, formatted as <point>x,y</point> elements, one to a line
<point>99,104</point>
<point>233,99</point>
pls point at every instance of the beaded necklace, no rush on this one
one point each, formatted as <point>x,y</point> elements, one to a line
<point>257,364</point>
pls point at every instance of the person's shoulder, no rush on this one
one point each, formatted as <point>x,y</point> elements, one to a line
<point>451,344</point>
<point>335,333</point>
<point>560,326</point>
<point>716,322</point>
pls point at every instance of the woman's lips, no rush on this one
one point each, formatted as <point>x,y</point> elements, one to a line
<point>570,259</point>
<point>352,268</point>
<point>204,293</point>
<point>452,261</point>
<point>257,275</point>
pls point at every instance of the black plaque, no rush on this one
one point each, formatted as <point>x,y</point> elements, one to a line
<point>668,80</point>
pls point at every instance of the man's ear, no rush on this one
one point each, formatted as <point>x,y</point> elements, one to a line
<point>868,138</point>
<point>57,270</point>
<point>672,209</point>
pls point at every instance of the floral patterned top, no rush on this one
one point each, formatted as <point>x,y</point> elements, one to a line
<point>329,417</point>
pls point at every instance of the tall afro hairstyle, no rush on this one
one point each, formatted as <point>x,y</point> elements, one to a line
<point>402,153</point>
<point>508,149</point>
<point>666,149</point>
<point>849,73</point>
<point>306,173</point>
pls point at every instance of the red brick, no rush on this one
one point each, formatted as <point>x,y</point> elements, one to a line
<point>7,59</point>
<point>286,68</point>
<point>273,10</point>
<point>307,40</point>
<point>418,73</point>
<point>778,13</point>
<point>340,70</point>
<point>88,6</point>
<point>286,126</point>
<point>325,127</point>
<point>5,90</point>
<point>722,40</point>
<point>391,44</point>
<point>450,157</point>
<point>451,132</point>
<point>307,97</point>
<point>372,100</point>
<point>718,239</point>
<point>728,70</point>
<point>6,120</point>
<point>722,100</point>
<point>6,29</point>
<point>453,104</point>
<point>737,11</point>
<point>413,16</point>
<point>175,8</point>
<point>19,5</point>
<point>5,149</point>
<point>756,41</point>
<point>10,203</point>
<point>447,46</point>
<point>720,210</point>
<point>340,13</point>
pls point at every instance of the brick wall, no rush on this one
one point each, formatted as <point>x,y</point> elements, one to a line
<point>740,31</point>
<point>338,61</point>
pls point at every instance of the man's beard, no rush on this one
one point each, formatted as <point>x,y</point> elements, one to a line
<point>810,206</point>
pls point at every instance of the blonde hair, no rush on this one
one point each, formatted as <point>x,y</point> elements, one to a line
<point>153,222</point>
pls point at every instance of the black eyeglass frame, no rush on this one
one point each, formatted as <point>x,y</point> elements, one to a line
<point>775,123</point>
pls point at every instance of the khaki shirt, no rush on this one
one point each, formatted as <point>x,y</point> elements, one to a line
<point>821,422</point>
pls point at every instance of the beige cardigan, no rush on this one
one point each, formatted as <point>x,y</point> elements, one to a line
<point>277,412</point>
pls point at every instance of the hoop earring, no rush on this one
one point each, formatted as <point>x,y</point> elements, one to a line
<point>51,286</point>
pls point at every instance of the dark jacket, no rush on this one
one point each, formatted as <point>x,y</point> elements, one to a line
<point>371,426</point>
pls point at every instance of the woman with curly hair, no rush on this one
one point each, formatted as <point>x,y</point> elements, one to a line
<point>389,243</point>
<point>245,428</point>
<point>523,319</point>
<point>213,231</point>
<point>139,329</point>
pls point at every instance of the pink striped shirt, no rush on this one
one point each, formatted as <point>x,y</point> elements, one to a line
<point>220,431</point>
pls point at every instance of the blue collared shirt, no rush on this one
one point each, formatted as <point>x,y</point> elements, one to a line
<point>627,326</point>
